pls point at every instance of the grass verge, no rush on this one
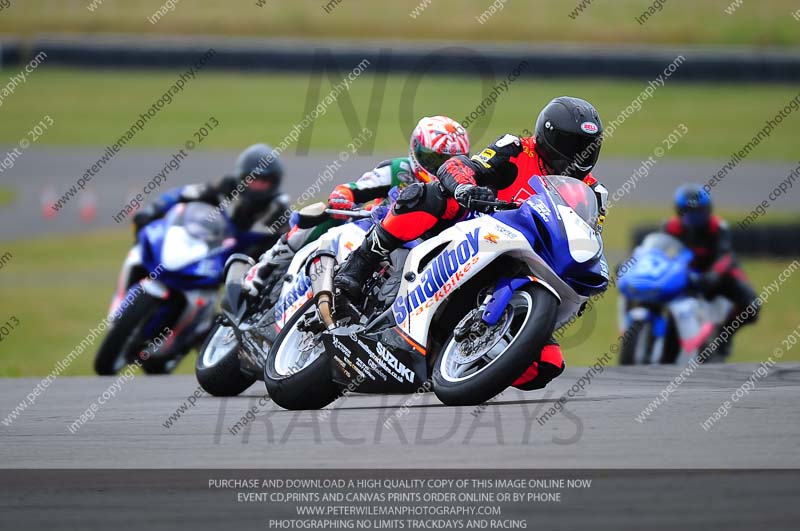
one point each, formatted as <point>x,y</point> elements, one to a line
<point>93,108</point>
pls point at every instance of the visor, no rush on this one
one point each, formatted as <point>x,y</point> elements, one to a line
<point>429,159</point>
<point>580,149</point>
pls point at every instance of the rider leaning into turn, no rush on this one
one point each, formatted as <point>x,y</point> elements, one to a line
<point>709,238</point>
<point>258,204</point>
<point>434,140</point>
<point>566,141</point>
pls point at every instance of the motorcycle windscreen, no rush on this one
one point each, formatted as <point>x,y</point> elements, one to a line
<point>574,194</point>
<point>194,231</point>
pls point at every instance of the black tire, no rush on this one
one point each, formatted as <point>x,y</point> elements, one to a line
<point>162,365</point>
<point>639,331</point>
<point>672,345</point>
<point>124,332</point>
<point>222,376</point>
<point>310,388</point>
<point>508,366</point>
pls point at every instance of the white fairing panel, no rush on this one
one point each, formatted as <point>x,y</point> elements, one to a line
<point>181,249</point>
<point>470,246</point>
<point>133,259</point>
<point>696,320</point>
<point>584,242</point>
<point>296,292</point>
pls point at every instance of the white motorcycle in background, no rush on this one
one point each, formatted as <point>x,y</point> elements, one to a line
<point>232,358</point>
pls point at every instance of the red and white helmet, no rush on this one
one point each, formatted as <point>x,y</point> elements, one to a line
<point>434,140</point>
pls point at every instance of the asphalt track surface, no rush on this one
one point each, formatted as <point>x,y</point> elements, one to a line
<point>597,430</point>
<point>41,175</point>
<point>664,473</point>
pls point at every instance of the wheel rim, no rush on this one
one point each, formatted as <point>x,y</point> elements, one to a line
<point>296,352</point>
<point>219,346</point>
<point>453,371</point>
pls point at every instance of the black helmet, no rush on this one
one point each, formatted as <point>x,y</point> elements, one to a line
<point>260,169</point>
<point>568,136</point>
<point>693,205</point>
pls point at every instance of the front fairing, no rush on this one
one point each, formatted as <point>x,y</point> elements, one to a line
<point>187,249</point>
<point>659,272</point>
<point>566,238</point>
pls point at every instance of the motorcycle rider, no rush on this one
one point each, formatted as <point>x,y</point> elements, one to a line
<point>709,238</point>
<point>252,196</point>
<point>434,140</point>
<point>567,140</point>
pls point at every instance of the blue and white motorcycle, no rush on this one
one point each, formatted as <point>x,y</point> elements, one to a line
<point>167,289</point>
<point>663,319</point>
<point>466,311</point>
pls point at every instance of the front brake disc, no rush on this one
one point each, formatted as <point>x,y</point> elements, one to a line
<point>473,348</point>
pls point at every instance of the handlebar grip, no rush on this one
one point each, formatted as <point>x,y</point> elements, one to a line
<point>349,213</point>
<point>496,205</point>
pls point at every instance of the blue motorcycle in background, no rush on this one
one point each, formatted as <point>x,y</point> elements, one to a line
<point>167,290</point>
<point>663,319</point>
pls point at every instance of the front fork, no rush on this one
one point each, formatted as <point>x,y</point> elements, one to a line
<point>659,330</point>
<point>495,304</point>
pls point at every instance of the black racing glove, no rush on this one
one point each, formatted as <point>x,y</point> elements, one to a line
<point>144,217</point>
<point>474,197</point>
<point>704,282</point>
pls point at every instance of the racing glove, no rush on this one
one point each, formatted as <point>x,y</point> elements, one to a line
<point>142,218</point>
<point>468,194</point>
<point>253,281</point>
<point>704,282</point>
<point>341,199</point>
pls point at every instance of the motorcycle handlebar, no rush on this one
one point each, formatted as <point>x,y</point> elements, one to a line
<point>495,205</point>
<point>349,213</point>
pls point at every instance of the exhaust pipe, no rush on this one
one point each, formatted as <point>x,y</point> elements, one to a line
<point>320,269</point>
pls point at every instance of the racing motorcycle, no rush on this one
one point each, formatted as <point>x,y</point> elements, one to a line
<point>232,357</point>
<point>167,290</point>
<point>664,321</point>
<point>466,311</point>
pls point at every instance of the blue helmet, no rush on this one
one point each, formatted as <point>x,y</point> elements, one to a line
<point>693,205</point>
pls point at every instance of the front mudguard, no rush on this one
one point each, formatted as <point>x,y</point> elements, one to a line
<point>503,291</point>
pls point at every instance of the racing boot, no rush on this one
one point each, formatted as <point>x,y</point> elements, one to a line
<point>542,371</point>
<point>279,256</point>
<point>363,262</point>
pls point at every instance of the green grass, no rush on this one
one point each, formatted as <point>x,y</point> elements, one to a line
<point>60,287</point>
<point>92,108</point>
<point>7,195</point>
<point>608,21</point>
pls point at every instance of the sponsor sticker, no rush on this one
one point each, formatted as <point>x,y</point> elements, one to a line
<point>589,127</point>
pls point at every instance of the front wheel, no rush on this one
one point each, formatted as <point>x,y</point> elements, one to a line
<point>123,340</point>
<point>297,371</point>
<point>217,369</point>
<point>637,343</point>
<point>474,370</point>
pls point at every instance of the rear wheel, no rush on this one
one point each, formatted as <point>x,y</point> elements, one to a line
<point>297,371</point>
<point>217,369</point>
<point>474,370</point>
<point>123,341</point>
